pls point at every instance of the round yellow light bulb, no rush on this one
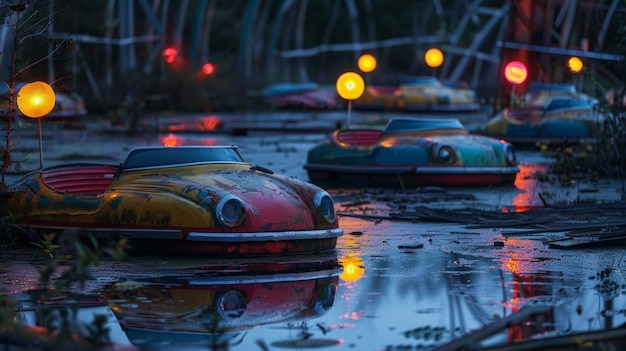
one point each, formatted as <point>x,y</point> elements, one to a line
<point>36,99</point>
<point>367,63</point>
<point>575,64</point>
<point>350,86</point>
<point>433,57</point>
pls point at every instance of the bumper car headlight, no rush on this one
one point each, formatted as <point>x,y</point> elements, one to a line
<point>230,211</point>
<point>326,299</point>
<point>509,153</point>
<point>231,304</point>
<point>445,154</point>
<point>325,206</point>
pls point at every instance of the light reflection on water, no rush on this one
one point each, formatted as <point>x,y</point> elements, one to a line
<point>417,298</point>
<point>219,304</point>
<point>528,197</point>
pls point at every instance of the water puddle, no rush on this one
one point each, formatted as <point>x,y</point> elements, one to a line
<point>340,301</point>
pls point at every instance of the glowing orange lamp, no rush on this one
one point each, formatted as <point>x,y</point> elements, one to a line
<point>515,73</point>
<point>367,63</point>
<point>433,57</point>
<point>36,100</point>
<point>350,86</point>
<point>575,64</point>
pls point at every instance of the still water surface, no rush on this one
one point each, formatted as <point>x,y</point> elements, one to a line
<point>376,292</point>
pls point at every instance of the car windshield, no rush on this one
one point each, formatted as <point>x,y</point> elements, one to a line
<point>403,125</point>
<point>172,156</point>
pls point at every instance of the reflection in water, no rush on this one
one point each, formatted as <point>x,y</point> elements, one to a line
<point>538,305</point>
<point>525,181</point>
<point>419,299</point>
<point>218,304</point>
<point>176,140</point>
<point>210,123</point>
<point>422,300</point>
<point>565,308</point>
<point>566,305</point>
<point>353,271</point>
<point>169,140</point>
<point>202,124</point>
<point>353,268</point>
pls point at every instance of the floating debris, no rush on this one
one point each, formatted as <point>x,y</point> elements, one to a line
<point>410,246</point>
<point>579,225</point>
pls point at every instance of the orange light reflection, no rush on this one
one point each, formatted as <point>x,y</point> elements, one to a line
<point>210,123</point>
<point>172,140</point>
<point>523,259</point>
<point>353,269</point>
<point>526,182</point>
<point>169,140</point>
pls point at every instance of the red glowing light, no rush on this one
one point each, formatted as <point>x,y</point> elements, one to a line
<point>208,69</point>
<point>169,54</point>
<point>515,72</point>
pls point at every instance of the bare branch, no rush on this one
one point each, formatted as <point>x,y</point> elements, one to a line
<point>36,34</point>
<point>40,60</point>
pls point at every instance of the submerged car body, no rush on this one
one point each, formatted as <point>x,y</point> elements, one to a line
<point>187,304</point>
<point>177,310</point>
<point>562,119</point>
<point>191,199</point>
<point>412,152</point>
<point>421,93</point>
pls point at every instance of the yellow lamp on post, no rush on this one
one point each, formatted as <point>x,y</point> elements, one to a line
<point>575,64</point>
<point>367,63</point>
<point>35,100</point>
<point>433,57</point>
<point>515,73</point>
<point>350,86</point>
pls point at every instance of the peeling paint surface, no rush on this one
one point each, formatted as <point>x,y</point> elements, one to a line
<point>185,198</point>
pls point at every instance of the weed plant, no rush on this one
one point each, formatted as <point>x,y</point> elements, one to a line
<point>600,157</point>
<point>64,266</point>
